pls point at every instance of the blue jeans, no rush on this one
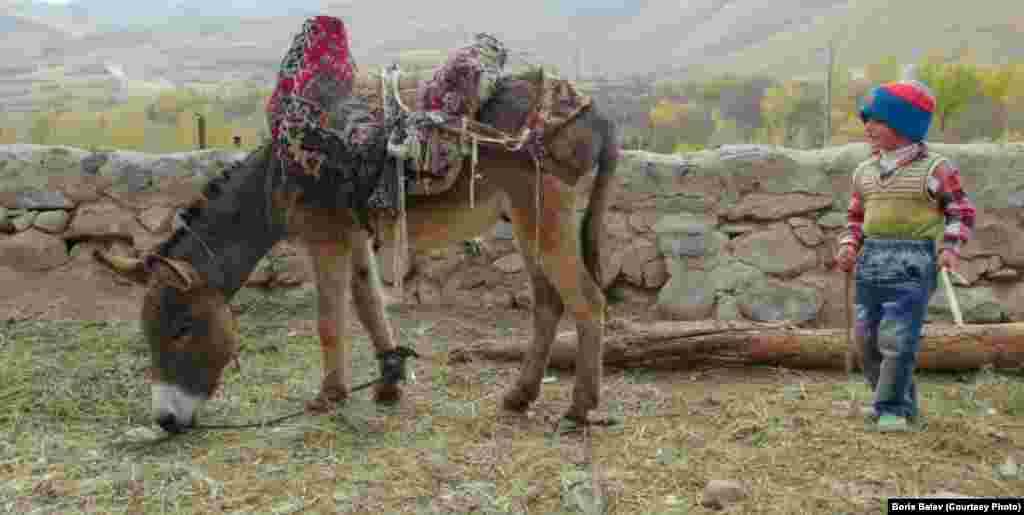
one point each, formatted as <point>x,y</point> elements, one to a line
<point>895,281</point>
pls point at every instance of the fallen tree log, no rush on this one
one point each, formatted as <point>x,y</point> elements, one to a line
<point>688,344</point>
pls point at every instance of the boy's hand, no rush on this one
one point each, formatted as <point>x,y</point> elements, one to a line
<point>846,258</point>
<point>949,260</point>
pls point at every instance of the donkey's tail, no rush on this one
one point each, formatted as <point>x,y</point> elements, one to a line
<point>592,225</point>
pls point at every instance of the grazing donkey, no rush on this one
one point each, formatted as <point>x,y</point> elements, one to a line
<point>191,278</point>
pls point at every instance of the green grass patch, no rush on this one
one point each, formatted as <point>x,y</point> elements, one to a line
<point>77,436</point>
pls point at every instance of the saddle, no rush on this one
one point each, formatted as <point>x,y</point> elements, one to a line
<point>441,111</point>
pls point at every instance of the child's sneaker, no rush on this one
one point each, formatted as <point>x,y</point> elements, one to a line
<point>892,424</point>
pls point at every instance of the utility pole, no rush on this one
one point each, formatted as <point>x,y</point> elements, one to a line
<point>828,93</point>
<point>579,62</point>
<point>201,122</point>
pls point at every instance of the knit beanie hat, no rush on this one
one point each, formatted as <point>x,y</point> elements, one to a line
<point>906,106</point>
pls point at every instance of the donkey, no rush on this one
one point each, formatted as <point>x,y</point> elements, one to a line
<point>192,276</point>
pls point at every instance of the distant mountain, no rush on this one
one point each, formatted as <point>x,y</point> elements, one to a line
<point>134,15</point>
<point>188,40</point>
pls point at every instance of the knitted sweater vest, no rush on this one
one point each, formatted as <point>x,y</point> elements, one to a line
<point>899,206</point>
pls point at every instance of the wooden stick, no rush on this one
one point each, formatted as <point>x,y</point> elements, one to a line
<point>953,304</point>
<point>682,345</point>
<point>849,325</point>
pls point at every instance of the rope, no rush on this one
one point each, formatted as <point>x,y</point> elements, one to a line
<point>277,420</point>
<point>402,352</point>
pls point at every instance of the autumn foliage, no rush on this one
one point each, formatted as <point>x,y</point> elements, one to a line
<point>974,101</point>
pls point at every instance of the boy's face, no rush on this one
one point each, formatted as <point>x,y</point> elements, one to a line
<point>883,137</point>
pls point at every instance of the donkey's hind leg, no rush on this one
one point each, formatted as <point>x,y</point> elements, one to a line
<point>547,312</point>
<point>369,305</point>
<point>561,280</point>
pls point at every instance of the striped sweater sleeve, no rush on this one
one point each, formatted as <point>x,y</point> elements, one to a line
<point>945,187</point>
<point>854,234</point>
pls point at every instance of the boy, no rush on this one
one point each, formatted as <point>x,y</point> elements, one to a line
<point>905,202</point>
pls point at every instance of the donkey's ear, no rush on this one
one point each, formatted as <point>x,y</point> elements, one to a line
<point>177,274</point>
<point>130,268</point>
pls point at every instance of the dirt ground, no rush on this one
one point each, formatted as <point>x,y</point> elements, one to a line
<point>78,438</point>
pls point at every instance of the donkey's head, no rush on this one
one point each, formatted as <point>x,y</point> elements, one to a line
<point>190,279</point>
<point>190,329</point>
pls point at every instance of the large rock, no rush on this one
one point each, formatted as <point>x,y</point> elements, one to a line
<point>1011,295</point>
<point>643,222</point>
<point>438,266</point>
<point>33,250</point>
<point>103,220</point>
<point>807,231</point>
<point>648,172</point>
<point>688,235</point>
<point>616,226</point>
<point>635,259</point>
<point>656,273</point>
<point>156,219</point>
<point>978,305</point>
<point>92,163</point>
<point>720,493</point>
<point>991,172</point>
<point>25,167</point>
<point>686,295</point>
<point>42,199</point>
<point>768,300</point>
<point>833,220</point>
<point>974,269</point>
<point>769,208</point>
<point>993,235</point>
<point>730,275</point>
<point>727,309</point>
<point>775,251</point>
<point>510,264</point>
<point>53,222</point>
<point>79,188</point>
<point>24,220</point>
<point>504,231</point>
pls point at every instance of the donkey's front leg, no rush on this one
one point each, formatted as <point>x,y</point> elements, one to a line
<point>332,264</point>
<point>369,304</point>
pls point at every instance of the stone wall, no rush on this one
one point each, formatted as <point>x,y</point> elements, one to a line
<point>737,232</point>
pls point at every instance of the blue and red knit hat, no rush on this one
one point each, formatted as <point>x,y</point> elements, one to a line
<point>906,106</point>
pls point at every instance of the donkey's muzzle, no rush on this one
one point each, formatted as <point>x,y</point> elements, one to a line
<point>168,422</point>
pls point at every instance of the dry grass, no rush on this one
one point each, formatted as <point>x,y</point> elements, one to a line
<point>77,418</point>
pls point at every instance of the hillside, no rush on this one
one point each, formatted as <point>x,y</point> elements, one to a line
<point>867,30</point>
<point>651,39</point>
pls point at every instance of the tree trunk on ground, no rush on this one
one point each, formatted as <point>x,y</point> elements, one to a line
<point>679,345</point>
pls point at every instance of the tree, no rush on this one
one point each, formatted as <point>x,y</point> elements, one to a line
<point>741,102</point>
<point>995,83</point>
<point>774,105</point>
<point>42,129</point>
<point>668,114</point>
<point>671,123</point>
<point>886,70</point>
<point>953,84</point>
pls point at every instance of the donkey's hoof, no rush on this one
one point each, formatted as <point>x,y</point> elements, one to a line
<point>384,393</point>
<point>570,423</point>
<point>327,400</point>
<point>515,400</point>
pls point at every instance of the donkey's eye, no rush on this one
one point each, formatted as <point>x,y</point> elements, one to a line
<point>183,330</point>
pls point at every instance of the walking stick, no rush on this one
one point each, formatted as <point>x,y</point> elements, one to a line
<point>849,326</point>
<point>958,317</point>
